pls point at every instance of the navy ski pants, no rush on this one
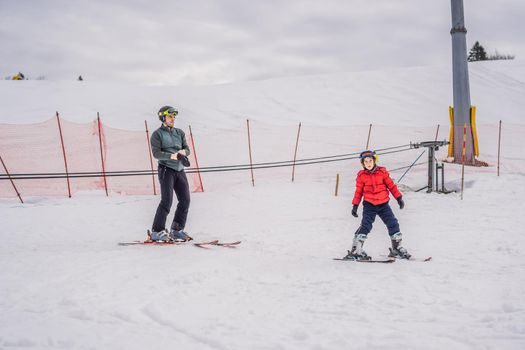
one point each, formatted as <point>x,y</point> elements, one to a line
<point>384,212</point>
<point>172,181</point>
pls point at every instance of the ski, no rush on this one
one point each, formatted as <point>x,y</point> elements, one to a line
<point>204,244</point>
<point>228,244</point>
<point>386,261</point>
<point>412,258</point>
<point>218,243</point>
<point>417,259</point>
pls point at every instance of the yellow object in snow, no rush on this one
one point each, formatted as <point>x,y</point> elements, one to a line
<point>472,127</point>
<point>18,76</point>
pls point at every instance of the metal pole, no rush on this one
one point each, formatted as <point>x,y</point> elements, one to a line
<point>463,159</point>
<point>461,87</point>
<point>430,169</point>
<point>443,177</point>
<point>437,177</point>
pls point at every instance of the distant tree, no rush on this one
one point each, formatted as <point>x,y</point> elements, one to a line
<point>499,56</point>
<point>477,53</point>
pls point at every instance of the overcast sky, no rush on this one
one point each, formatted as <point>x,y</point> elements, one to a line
<point>218,41</point>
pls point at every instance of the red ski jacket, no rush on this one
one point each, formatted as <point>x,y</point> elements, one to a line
<point>374,185</point>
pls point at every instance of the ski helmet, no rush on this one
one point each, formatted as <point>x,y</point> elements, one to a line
<point>366,154</point>
<point>167,111</point>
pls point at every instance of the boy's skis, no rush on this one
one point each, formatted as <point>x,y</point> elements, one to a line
<point>388,259</point>
<point>385,261</point>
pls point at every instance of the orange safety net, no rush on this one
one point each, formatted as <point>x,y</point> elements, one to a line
<point>97,158</point>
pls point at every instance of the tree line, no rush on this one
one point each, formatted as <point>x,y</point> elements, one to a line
<point>478,53</point>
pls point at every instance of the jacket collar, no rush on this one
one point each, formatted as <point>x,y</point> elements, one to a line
<point>373,170</point>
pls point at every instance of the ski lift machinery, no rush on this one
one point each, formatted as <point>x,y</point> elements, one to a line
<point>434,168</point>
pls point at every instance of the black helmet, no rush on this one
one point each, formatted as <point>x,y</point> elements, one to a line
<point>167,110</point>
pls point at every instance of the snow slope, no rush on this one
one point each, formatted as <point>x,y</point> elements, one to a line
<point>65,283</point>
<point>409,96</point>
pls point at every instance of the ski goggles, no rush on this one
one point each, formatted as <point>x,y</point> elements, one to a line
<point>171,112</point>
<point>366,154</point>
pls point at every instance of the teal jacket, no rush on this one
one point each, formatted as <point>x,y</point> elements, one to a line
<point>166,141</point>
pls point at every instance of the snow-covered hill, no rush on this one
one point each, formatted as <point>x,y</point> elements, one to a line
<point>408,96</point>
<point>65,283</point>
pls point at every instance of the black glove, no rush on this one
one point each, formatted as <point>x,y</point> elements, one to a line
<point>354,211</point>
<point>400,202</point>
<point>183,159</point>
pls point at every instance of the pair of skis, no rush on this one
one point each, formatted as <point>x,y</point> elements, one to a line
<point>386,261</point>
<point>204,244</point>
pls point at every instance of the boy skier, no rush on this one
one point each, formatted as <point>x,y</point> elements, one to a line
<point>374,183</point>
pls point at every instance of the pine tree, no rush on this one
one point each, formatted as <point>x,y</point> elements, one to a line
<point>477,53</point>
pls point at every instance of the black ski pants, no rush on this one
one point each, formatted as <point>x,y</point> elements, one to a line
<point>384,212</point>
<point>172,181</point>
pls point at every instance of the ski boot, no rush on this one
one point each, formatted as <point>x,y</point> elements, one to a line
<point>357,252</point>
<point>397,251</point>
<point>161,236</point>
<point>179,236</point>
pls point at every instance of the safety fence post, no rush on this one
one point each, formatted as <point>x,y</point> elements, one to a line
<point>196,159</point>
<point>64,154</point>
<point>250,151</point>
<point>368,138</point>
<point>499,144</point>
<point>150,159</point>
<point>102,153</point>
<point>336,185</point>
<point>10,179</point>
<point>295,153</point>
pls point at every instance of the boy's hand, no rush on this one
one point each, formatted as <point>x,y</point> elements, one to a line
<point>401,202</point>
<point>354,211</point>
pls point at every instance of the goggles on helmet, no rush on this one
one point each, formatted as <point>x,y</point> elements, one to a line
<point>366,154</point>
<point>171,112</point>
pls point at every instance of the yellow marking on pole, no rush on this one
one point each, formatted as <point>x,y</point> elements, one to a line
<point>474,133</point>
<point>451,136</point>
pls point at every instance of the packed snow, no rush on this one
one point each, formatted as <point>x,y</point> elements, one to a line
<point>66,283</point>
